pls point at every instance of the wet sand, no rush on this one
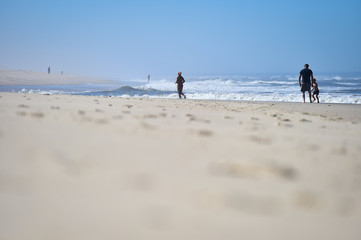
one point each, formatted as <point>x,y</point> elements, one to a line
<point>78,167</point>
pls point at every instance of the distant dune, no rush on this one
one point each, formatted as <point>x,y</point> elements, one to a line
<point>38,78</point>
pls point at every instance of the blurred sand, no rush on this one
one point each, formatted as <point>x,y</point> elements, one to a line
<point>77,167</point>
<point>38,78</point>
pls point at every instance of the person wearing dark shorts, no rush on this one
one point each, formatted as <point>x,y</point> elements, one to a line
<point>315,91</point>
<point>180,80</point>
<point>307,76</point>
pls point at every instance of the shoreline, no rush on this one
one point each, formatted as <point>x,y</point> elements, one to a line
<point>111,83</point>
<point>18,81</point>
<point>301,107</point>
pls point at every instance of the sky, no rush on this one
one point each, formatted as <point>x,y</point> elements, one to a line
<point>130,38</point>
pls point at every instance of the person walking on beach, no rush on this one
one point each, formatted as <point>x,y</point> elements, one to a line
<point>180,80</point>
<point>306,75</point>
<point>49,70</point>
<point>315,91</point>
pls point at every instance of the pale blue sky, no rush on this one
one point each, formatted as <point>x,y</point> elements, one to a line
<point>137,37</point>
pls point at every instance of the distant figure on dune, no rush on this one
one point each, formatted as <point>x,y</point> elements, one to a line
<point>49,70</point>
<point>315,91</point>
<point>306,75</point>
<point>148,77</point>
<point>180,80</point>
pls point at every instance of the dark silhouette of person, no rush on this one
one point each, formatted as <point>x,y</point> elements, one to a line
<point>307,76</point>
<point>49,70</point>
<point>315,90</point>
<point>180,80</point>
<point>148,77</point>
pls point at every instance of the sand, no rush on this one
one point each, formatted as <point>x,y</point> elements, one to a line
<point>20,77</point>
<point>78,167</point>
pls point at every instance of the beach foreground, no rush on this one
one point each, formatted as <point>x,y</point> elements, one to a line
<point>77,167</point>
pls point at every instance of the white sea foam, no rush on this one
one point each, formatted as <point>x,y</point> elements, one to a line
<point>43,92</point>
<point>337,78</point>
<point>333,78</point>
<point>333,88</point>
<point>325,98</point>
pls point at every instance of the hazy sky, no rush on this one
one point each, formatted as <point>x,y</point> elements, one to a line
<point>137,37</point>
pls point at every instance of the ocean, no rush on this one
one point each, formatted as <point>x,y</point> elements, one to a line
<point>334,88</point>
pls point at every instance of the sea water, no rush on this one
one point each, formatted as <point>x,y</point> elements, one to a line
<point>334,88</point>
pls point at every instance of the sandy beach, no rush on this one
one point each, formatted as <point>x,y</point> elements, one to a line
<point>21,77</point>
<point>78,167</point>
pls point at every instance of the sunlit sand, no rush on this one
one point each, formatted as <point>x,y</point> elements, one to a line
<point>77,167</point>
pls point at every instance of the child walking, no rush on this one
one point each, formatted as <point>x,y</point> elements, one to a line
<point>315,90</point>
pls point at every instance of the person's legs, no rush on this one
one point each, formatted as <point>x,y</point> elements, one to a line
<point>309,94</point>
<point>318,100</point>
<point>303,96</point>
<point>305,87</point>
<point>180,89</point>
